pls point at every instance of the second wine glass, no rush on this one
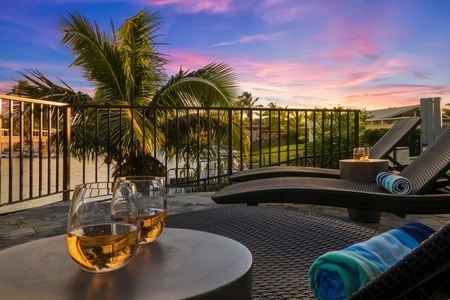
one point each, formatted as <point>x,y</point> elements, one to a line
<point>152,203</point>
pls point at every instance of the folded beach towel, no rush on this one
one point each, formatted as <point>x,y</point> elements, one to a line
<point>393,183</point>
<point>338,274</point>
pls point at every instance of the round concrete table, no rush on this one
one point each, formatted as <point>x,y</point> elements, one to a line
<point>363,171</point>
<point>180,264</point>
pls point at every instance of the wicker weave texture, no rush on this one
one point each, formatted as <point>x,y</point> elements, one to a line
<point>283,242</point>
<point>430,165</point>
<point>282,171</point>
<point>392,138</point>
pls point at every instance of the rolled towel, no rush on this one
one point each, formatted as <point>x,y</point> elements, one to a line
<point>338,274</point>
<point>393,183</point>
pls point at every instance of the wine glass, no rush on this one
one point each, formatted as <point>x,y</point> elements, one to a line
<point>151,196</point>
<point>103,226</point>
<point>359,154</point>
<point>367,153</point>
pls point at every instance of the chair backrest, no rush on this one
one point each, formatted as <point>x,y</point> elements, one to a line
<point>430,165</point>
<point>387,143</point>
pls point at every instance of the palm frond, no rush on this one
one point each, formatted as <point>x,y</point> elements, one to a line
<point>213,85</point>
<point>143,66</point>
<point>95,53</point>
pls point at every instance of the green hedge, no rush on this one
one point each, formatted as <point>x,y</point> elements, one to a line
<point>370,136</point>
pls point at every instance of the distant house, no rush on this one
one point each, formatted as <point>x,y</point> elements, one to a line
<point>262,134</point>
<point>387,117</point>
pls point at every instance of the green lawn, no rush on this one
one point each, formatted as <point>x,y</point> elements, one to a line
<point>273,154</point>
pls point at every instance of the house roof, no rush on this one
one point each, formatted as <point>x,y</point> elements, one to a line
<point>393,113</point>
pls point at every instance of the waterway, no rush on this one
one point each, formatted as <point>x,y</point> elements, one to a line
<point>39,181</point>
<point>42,177</point>
<point>47,176</point>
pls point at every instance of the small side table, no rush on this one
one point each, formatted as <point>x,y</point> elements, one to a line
<point>180,264</point>
<point>363,171</point>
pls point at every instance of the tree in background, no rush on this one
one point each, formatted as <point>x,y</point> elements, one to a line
<point>325,126</point>
<point>126,69</point>
<point>246,101</point>
<point>446,111</point>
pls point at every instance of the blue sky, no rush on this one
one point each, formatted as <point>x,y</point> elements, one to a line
<point>296,53</point>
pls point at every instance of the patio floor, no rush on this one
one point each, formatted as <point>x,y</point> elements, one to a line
<point>51,219</point>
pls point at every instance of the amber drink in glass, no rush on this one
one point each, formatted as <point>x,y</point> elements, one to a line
<point>103,227</point>
<point>151,196</point>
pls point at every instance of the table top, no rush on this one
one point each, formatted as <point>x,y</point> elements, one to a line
<point>180,264</point>
<point>371,160</point>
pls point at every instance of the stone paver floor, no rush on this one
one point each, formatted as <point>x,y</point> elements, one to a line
<point>51,219</point>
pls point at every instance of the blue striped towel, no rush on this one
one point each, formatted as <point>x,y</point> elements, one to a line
<point>338,274</point>
<point>394,184</point>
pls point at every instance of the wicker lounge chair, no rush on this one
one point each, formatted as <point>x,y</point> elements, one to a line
<point>381,149</point>
<point>423,173</point>
<point>285,242</point>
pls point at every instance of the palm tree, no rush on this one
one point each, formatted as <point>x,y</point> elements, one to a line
<point>126,69</point>
<point>246,101</point>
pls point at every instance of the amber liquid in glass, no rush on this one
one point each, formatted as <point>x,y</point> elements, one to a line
<point>152,224</point>
<point>104,247</point>
<point>358,156</point>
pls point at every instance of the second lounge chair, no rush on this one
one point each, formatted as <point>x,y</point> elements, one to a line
<point>422,173</point>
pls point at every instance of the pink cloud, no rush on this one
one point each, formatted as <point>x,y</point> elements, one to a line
<point>343,33</point>
<point>383,96</point>
<point>306,84</point>
<point>196,6</point>
<point>306,73</point>
<point>5,87</point>
<point>348,39</point>
<point>187,60</point>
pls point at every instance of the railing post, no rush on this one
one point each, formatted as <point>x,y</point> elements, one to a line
<point>230,141</point>
<point>431,126</point>
<point>66,154</point>
<point>357,129</point>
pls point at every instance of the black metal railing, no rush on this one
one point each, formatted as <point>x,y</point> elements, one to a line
<point>27,170</point>
<point>43,155</point>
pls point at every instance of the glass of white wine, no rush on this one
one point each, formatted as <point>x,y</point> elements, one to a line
<point>152,202</point>
<point>103,229</point>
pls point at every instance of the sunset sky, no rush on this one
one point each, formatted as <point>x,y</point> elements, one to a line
<point>297,53</point>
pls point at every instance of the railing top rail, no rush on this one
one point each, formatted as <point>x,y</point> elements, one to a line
<point>31,100</point>
<point>54,103</point>
<point>208,108</point>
